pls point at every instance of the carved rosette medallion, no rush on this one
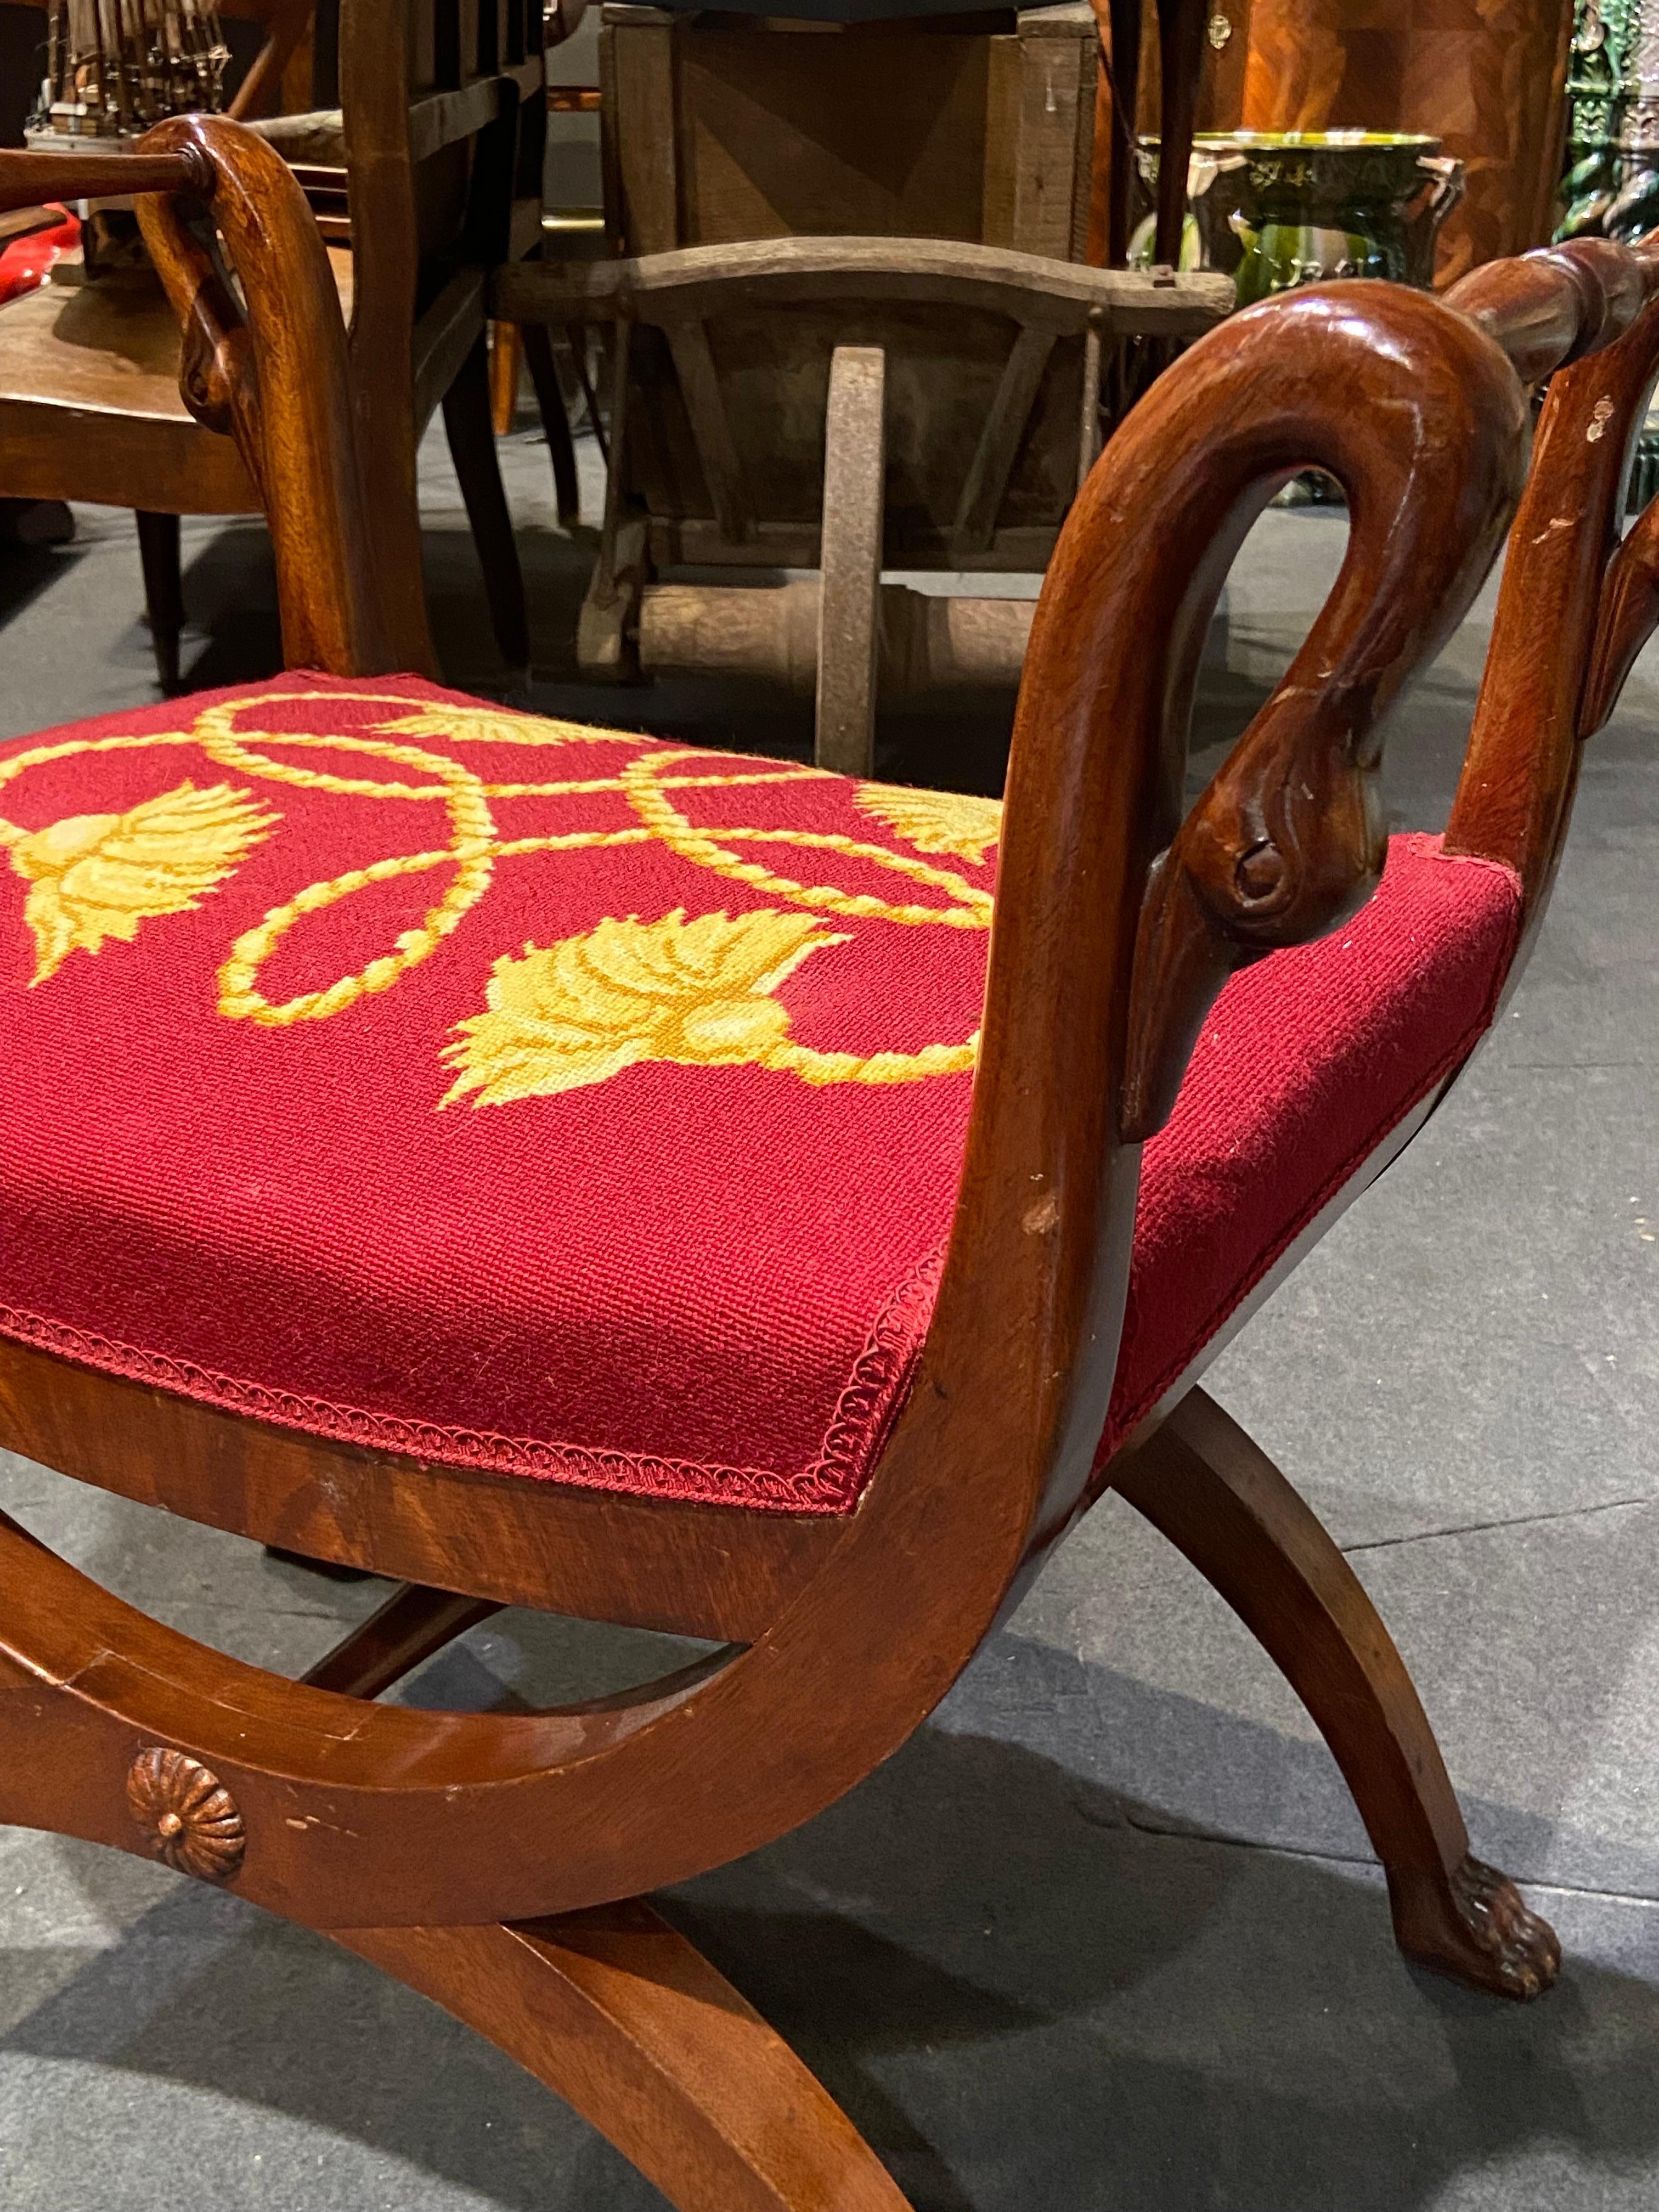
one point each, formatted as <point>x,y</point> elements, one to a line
<point>190,1819</point>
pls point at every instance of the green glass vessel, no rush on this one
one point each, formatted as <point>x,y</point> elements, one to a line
<point>1283,207</point>
<point>1316,205</point>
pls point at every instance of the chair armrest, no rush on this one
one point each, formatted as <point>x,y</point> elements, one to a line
<point>1577,602</point>
<point>272,375</point>
<point>1288,838</point>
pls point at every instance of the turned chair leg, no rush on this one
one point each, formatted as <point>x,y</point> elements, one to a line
<point>471,435</point>
<point>1220,1500</point>
<point>631,2026</point>
<point>549,400</point>
<point>164,591</point>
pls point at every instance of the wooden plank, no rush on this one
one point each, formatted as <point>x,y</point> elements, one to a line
<point>708,1571</point>
<point>693,542</point>
<point>1046,158</point>
<point>872,131</point>
<point>55,451</point>
<point>610,172</point>
<point>999,441</point>
<point>704,281</point>
<point>1002,107</point>
<point>444,118</point>
<point>22,222</point>
<point>90,407</point>
<point>854,464</point>
<point>1083,151</point>
<point>645,133</point>
<point>711,429</point>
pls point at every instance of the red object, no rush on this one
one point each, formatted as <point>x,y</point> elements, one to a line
<point>26,262</point>
<point>678,1227</point>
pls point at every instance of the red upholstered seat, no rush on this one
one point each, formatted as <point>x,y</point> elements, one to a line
<point>546,1100</point>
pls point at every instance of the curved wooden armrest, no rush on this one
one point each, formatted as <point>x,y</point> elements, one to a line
<point>1554,307</point>
<point>30,180</point>
<point>1577,603</point>
<point>273,377</point>
<point>1426,435</point>
<point>1287,840</point>
<point>281,385</point>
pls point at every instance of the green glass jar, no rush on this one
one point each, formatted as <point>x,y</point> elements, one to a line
<point>1283,207</point>
<point>1318,205</point>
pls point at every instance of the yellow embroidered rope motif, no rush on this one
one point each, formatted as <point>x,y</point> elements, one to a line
<point>696,993</point>
<point>472,850</point>
<point>644,786</point>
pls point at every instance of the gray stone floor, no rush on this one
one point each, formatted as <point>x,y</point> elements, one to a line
<point>1106,1933</point>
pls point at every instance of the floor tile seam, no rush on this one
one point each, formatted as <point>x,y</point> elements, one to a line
<point>1141,1826</point>
<point>1540,1886</point>
<point>1535,1885</point>
<point>1510,1520</point>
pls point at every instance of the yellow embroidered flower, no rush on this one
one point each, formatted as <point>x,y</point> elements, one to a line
<point>696,993</point>
<point>935,821</point>
<point>495,726</point>
<point>96,876</point>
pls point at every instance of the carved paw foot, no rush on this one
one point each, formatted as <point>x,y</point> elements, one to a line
<point>1473,1926</point>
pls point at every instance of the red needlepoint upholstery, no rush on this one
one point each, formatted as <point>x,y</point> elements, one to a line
<point>552,1101</point>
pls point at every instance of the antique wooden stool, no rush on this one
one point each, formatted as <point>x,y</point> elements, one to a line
<point>558,1169</point>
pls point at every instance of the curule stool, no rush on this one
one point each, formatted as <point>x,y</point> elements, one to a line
<point>557,1169</point>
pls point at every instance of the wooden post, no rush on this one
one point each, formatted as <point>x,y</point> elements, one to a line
<point>854,463</point>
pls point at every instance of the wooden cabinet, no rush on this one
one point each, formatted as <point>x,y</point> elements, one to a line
<point>1487,77</point>
<point>785,129</point>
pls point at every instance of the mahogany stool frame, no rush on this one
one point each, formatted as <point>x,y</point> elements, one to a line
<point>498,1861</point>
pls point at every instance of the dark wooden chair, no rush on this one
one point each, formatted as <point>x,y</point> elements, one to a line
<point>89,405</point>
<point>511,349</point>
<point>429,167</point>
<point>648,1184</point>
